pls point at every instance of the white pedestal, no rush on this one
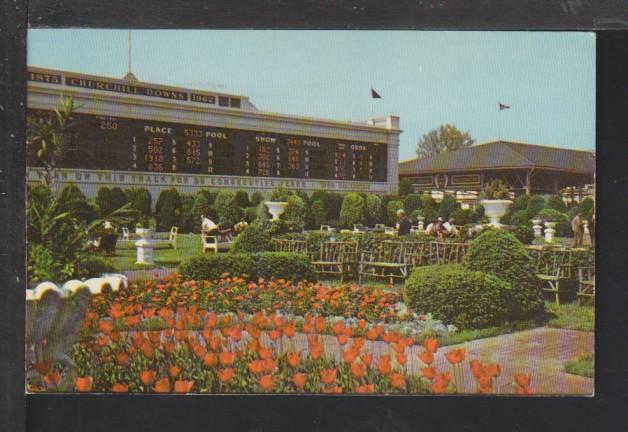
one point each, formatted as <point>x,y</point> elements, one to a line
<point>537,227</point>
<point>144,247</point>
<point>421,223</point>
<point>549,232</point>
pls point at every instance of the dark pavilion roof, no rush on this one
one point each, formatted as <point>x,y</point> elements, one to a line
<point>503,155</point>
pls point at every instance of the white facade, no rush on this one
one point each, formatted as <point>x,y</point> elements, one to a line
<point>116,98</point>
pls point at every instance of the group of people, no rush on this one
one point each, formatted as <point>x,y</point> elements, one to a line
<point>209,227</point>
<point>437,228</point>
<point>577,226</point>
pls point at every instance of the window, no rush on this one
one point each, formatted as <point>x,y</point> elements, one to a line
<point>235,102</point>
<point>223,101</point>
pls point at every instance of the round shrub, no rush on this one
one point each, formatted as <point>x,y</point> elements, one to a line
<point>555,202</point>
<point>141,201</point>
<point>319,214</point>
<point>250,214</point>
<point>586,207</point>
<point>352,210</point>
<point>391,211</point>
<point>226,208</point>
<point>460,216</point>
<point>255,238</point>
<point>447,206</point>
<point>94,266</point>
<point>109,200</point>
<point>499,253</point>
<point>524,233</point>
<point>412,202</point>
<point>168,210</point>
<point>405,187</point>
<point>202,206</point>
<point>535,205</point>
<point>563,224</point>
<point>256,198</point>
<point>294,214</point>
<point>242,198</point>
<point>373,209</point>
<point>73,201</point>
<point>519,217</point>
<point>465,298</point>
<point>187,219</point>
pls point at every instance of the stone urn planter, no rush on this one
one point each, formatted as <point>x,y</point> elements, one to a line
<point>550,231</point>
<point>276,208</point>
<point>494,209</point>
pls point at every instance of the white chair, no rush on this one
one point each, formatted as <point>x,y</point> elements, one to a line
<point>390,231</point>
<point>210,242</point>
<point>126,235</point>
<point>172,237</point>
<point>326,228</point>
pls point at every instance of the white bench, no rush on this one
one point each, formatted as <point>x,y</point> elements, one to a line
<point>171,240</point>
<point>210,242</point>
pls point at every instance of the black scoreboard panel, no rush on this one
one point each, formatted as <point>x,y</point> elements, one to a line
<point>115,143</point>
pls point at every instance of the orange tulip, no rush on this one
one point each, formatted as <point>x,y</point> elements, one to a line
<point>342,339</point>
<point>522,380</point>
<point>398,348</point>
<point>493,370</point>
<point>384,365</point>
<point>294,359</point>
<point>181,386</point>
<point>367,359</point>
<point>299,379</point>
<point>265,353</point>
<point>273,335</point>
<point>225,375</point>
<point>349,355</point>
<point>426,357</point>
<point>320,324</point>
<point>455,355</point>
<point>147,377</point>
<point>524,390</point>
<point>288,330</point>
<point>174,371</point>
<point>429,373</point>
<point>431,344</point>
<point>441,382</point>
<point>401,358</point>
<point>358,370</point>
<point>147,349</point>
<point>83,384</point>
<point>266,382</point>
<point>328,376</point>
<point>256,366</point>
<point>397,380</point>
<point>119,388</point>
<point>226,358</point>
<point>334,389</point>
<point>52,379</point>
<point>476,368</point>
<point>269,365</point>
<point>338,327</point>
<point>215,343</point>
<point>168,347</point>
<point>316,352</point>
<point>362,324</point>
<point>162,385</point>
<point>122,358</point>
<point>371,334</point>
<point>105,326</point>
<point>364,388</point>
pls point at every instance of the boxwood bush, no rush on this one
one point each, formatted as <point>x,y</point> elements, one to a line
<point>277,265</point>
<point>499,253</point>
<point>258,236</point>
<point>352,210</point>
<point>465,298</point>
<point>563,224</point>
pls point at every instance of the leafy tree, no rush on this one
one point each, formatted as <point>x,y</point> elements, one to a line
<point>168,209</point>
<point>444,139</point>
<point>447,206</point>
<point>412,202</point>
<point>319,213</point>
<point>226,208</point>
<point>294,214</point>
<point>373,209</point>
<point>203,200</point>
<point>405,187</point>
<point>256,198</point>
<point>587,207</point>
<point>556,202</point>
<point>187,219</point>
<point>50,139</point>
<point>242,198</point>
<point>73,201</point>
<point>141,201</point>
<point>352,211</point>
<point>391,211</point>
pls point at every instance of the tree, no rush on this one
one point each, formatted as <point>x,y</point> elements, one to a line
<point>168,210</point>
<point>405,187</point>
<point>226,208</point>
<point>373,209</point>
<point>352,210</point>
<point>444,139</point>
<point>141,201</point>
<point>49,139</point>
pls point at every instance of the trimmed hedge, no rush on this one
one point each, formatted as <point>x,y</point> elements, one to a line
<point>168,210</point>
<point>465,298</point>
<point>500,253</point>
<point>352,210</point>
<point>276,265</point>
<point>563,224</point>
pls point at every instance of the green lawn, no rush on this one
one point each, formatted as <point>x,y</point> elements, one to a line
<point>583,366</point>
<point>188,245</point>
<point>571,316</point>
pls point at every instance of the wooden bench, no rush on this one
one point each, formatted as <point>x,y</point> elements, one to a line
<point>216,242</point>
<point>286,245</point>
<point>391,261</point>
<point>551,266</point>
<point>447,252</point>
<point>586,283</point>
<point>335,258</point>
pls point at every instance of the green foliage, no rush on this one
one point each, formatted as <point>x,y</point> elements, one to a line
<point>203,206</point>
<point>319,213</point>
<point>250,214</point>
<point>294,214</point>
<point>109,200</point>
<point>465,298</point>
<point>187,219</point>
<point>500,253</point>
<point>405,187</point>
<point>447,206</point>
<point>242,198</point>
<point>226,208</point>
<point>280,194</point>
<point>256,198</point>
<point>555,202</point>
<point>586,207</point>
<point>412,202</point>
<point>563,224</point>
<point>141,201</point>
<point>42,265</point>
<point>352,211</point>
<point>535,205</point>
<point>168,210</point>
<point>94,266</point>
<point>258,236</point>
<point>496,189</point>
<point>73,201</point>
<point>444,139</point>
<point>460,216</point>
<point>373,209</point>
<point>524,233</point>
<point>391,211</point>
<point>332,202</point>
<point>519,217</point>
<point>268,265</point>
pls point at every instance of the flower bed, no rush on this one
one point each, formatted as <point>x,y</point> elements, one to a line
<point>162,337</point>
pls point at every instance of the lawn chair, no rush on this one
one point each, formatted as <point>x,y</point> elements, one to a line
<point>447,252</point>
<point>172,237</point>
<point>390,231</point>
<point>551,269</point>
<point>216,242</point>
<point>335,258</point>
<point>327,228</point>
<point>285,245</point>
<point>359,228</point>
<point>391,261</point>
<point>586,283</point>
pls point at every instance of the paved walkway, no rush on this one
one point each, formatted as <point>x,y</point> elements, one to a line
<point>154,273</point>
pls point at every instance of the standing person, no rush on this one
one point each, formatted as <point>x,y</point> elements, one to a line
<point>592,229</point>
<point>577,226</point>
<point>404,223</point>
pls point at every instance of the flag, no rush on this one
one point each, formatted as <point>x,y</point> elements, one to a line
<point>374,94</point>
<point>502,106</point>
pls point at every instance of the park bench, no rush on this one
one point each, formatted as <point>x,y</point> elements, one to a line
<point>417,253</point>
<point>216,242</point>
<point>327,228</point>
<point>286,245</point>
<point>391,261</point>
<point>586,283</point>
<point>442,252</point>
<point>551,267</point>
<point>170,240</point>
<point>335,258</point>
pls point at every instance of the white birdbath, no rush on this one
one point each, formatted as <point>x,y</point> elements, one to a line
<point>276,208</point>
<point>495,209</point>
<point>537,227</point>
<point>144,246</point>
<point>549,232</point>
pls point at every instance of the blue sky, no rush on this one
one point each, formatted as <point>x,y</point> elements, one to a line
<point>426,78</point>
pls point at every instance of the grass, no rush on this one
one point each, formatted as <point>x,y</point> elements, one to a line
<point>472,334</point>
<point>583,366</point>
<point>188,245</point>
<point>571,316</point>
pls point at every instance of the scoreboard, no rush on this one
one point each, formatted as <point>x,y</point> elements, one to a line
<point>117,143</point>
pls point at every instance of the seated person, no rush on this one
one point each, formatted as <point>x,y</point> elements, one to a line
<point>240,226</point>
<point>208,226</point>
<point>450,228</point>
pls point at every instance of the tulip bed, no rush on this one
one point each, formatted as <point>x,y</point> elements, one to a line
<point>229,336</point>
